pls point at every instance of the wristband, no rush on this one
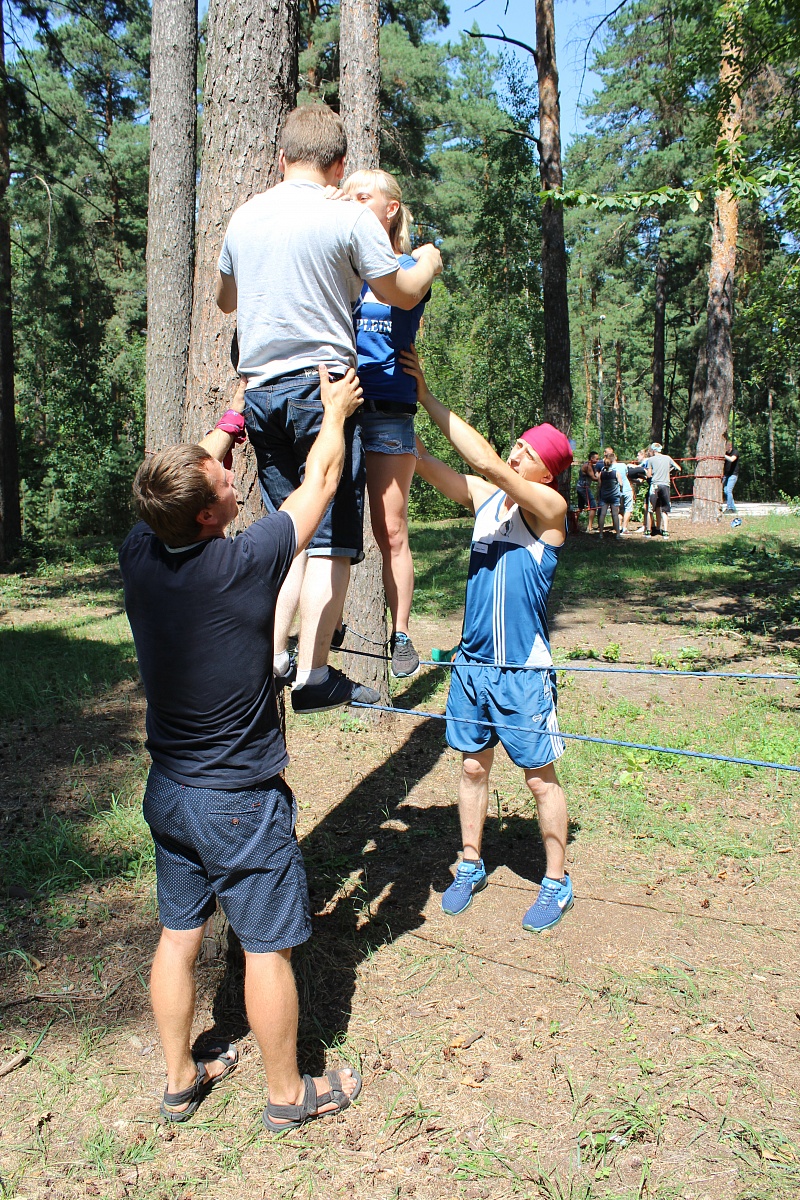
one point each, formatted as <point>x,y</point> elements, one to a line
<point>233,423</point>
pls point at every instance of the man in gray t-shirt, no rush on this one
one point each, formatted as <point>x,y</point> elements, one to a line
<point>661,467</point>
<point>292,264</point>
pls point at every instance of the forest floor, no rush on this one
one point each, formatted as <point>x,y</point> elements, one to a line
<point>646,1048</point>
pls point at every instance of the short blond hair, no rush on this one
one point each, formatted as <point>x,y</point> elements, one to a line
<point>170,489</point>
<point>400,225</point>
<point>314,134</point>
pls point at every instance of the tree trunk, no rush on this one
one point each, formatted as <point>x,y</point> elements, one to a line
<point>694,418</point>
<point>598,354</point>
<point>359,82</point>
<point>170,219</point>
<point>771,427</point>
<point>557,388</point>
<point>360,77</point>
<point>718,400</point>
<point>618,401</point>
<point>10,514</point>
<point>657,421</point>
<point>250,86</point>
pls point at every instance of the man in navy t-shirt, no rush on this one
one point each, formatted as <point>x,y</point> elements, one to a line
<point>202,611</point>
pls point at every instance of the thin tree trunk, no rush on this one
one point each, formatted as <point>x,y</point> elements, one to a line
<point>771,425</point>
<point>587,371</point>
<point>657,419</point>
<point>359,86</point>
<point>719,386</point>
<point>598,354</point>
<point>250,86</point>
<point>170,223</point>
<point>694,418</point>
<point>10,513</point>
<point>617,387</point>
<point>359,82</point>
<point>557,387</point>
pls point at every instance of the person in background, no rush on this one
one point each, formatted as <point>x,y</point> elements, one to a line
<point>387,419</point>
<point>609,495</point>
<point>730,476</point>
<point>643,473</point>
<point>625,491</point>
<point>661,467</point>
<point>587,475</point>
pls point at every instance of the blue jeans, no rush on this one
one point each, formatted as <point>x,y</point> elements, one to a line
<point>730,484</point>
<point>283,418</point>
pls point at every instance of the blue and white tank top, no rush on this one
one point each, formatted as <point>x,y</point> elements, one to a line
<point>511,572</point>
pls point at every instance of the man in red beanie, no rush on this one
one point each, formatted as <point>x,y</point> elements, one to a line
<point>502,684</point>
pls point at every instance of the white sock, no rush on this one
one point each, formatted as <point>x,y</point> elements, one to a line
<point>280,663</point>
<point>317,675</point>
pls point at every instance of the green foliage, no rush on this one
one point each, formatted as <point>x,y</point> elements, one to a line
<point>79,201</point>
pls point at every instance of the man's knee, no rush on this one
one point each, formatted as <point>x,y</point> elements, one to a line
<point>476,768</point>
<point>183,943</point>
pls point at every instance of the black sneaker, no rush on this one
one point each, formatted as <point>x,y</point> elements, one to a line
<point>289,676</point>
<point>335,691</point>
<point>405,660</point>
<point>338,637</point>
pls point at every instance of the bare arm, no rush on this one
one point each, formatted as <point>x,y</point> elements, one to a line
<point>227,296</point>
<point>406,288</point>
<point>544,503</point>
<point>463,489</point>
<point>217,442</point>
<point>325,461</point>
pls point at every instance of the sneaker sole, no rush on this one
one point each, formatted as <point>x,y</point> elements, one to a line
<point>406,674</point>
<point>543,928</point>
<point>475,891</point>
<point>304,712</point>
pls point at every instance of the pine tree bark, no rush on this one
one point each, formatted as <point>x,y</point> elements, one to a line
<point>557,386</point>
<point>170,218</point>
<point>10,512</point>
<point>250,87</point>
<point>359,85</point>
<point>718,400</point>
<point>694,418</point>
<point>657,417</point>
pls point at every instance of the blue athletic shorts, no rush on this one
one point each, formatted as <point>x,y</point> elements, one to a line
<point>626,502</point>
<point>483,699</point>
<point>388,433</point>
<point>235,847</point>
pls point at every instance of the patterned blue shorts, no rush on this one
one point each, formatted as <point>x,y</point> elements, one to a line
<point>235,847</point>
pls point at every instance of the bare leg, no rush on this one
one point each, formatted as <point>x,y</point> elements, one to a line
<point>615,517</point>
<point>172,991</point>
<point>272,1009</point>
<point>388,482</point>
<point>473,799</point>
<point>551,808</point>
<point>321,602</point>
<point>590,526</point>
<point>288,601</point>
<point>601,516</point>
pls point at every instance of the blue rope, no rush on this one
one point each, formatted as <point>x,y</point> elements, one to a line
<point>599,670</point>
<point>581,737</point>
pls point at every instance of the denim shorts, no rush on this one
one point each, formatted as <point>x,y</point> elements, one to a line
<point>515,706</point>
<point>283,418</point>
<point>586,500</point>
<point>235,847</point>
<point>626,502</point>
<point>387,433</point>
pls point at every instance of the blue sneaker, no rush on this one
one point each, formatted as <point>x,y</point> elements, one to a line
<point>554,899</point>
<point>470,878</point>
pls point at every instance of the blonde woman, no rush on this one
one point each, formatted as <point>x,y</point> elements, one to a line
<point>390,402</point>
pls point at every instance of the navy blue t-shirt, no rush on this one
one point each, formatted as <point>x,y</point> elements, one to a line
<point>380,332</point>
<point>203,624</point>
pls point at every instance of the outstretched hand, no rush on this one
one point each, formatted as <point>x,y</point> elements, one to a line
<point>331,192</point>
<point>428,250</point>
<point>342,396</point>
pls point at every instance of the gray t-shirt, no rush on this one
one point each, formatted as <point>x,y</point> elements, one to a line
<point>298,260</point>
<point>661,464</point>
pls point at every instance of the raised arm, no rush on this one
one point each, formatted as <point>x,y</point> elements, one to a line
<point>219,442</point>
<point>453,484</point>
<point>325,461</point>
<point>537,498</point>
<point>406,288</point>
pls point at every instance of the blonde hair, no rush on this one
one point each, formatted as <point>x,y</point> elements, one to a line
<point>400,224</point>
